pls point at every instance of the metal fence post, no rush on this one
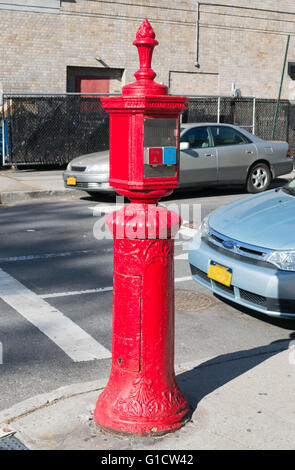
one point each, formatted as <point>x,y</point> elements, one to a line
<point>280,90</point>
<point>254,116</point>
<point>218,109</point>
<point>2,127</point>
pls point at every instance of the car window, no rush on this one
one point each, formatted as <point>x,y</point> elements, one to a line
<point>223,135</point>
<point>198,137</point>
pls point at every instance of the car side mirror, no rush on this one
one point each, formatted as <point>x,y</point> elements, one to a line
<point>184,145</point>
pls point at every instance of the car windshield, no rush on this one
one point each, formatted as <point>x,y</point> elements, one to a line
<point>290,187</point>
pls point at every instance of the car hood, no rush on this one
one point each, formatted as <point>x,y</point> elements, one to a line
<point>91,158</point>
<point>266,220</point>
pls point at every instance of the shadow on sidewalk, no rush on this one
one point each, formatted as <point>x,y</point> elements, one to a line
<point>213,374</point>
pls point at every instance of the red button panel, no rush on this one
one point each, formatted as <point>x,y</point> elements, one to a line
<point>155,156</point>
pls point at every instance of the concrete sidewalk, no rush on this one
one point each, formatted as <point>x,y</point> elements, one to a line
<point>17,185</point>
<point>243,400</point>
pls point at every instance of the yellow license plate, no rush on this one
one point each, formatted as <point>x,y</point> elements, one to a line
<point>220,273</point>
<point>71,181</point>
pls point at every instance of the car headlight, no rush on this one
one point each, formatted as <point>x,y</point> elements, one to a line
<point>204,228</point>
<point>99,168</point>
<point>284,260</point>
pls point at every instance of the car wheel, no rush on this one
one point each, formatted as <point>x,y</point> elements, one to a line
<point>259,178</point>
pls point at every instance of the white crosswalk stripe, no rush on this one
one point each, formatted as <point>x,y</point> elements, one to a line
<point>74,341</point>
<point>95,291</point>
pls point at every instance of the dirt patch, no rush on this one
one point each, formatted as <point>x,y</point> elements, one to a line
<point>190,301</point>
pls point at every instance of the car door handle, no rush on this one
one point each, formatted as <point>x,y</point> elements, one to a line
<point>249,151</point>
<point>209,155</point>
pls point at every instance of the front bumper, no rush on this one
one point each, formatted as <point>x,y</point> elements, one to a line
<point>254,285</point>
<point>87,182</point>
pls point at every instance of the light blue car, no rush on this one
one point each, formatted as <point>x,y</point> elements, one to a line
<point>245,252</point>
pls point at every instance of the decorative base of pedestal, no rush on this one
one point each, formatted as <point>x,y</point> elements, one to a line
<point>140,426</point>
<point>155,431</point>
<point>135,404</point>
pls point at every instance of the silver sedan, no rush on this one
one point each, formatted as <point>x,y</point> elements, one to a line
<point>210,154</point>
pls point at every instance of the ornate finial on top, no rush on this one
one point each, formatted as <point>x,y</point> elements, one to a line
<point>145,31</point>
<point>145,42</point>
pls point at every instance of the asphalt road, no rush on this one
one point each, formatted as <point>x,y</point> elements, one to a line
<point>56,297</point>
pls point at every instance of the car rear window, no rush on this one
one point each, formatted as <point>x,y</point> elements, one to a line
<point>223,135</point>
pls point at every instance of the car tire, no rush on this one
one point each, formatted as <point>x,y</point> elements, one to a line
<point>259,178</point>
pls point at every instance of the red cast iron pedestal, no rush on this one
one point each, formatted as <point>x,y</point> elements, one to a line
<point>142,395</point>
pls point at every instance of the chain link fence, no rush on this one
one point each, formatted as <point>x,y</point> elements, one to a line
<point>256,115</point>
<point>238,111</point>
<point>253,114</point>
<point>54,129</point>
<point>265,112</point>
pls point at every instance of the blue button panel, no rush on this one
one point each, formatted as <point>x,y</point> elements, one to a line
<point>169,156</point>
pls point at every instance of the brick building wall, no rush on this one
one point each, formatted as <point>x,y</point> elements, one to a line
<point>205,47</point>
